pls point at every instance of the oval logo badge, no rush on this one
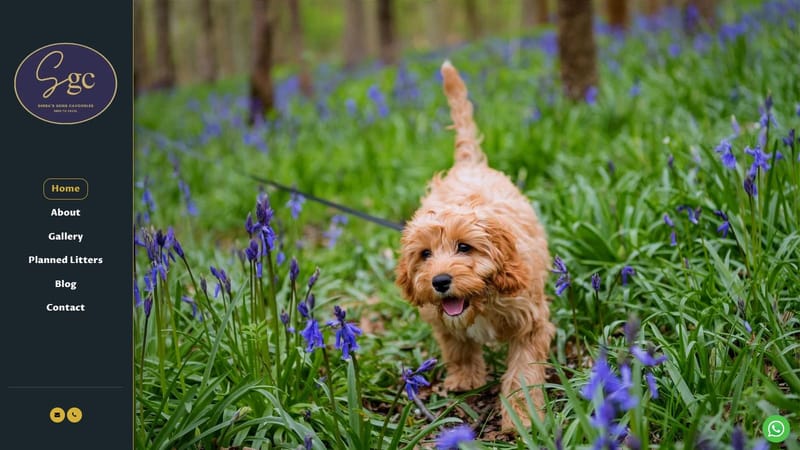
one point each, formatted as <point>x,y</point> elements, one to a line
<point>65,83</point>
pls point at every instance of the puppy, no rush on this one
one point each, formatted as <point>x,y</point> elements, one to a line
<point>474,260</point>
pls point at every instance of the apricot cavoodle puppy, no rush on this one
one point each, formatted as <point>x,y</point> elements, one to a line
<point>474,259</point>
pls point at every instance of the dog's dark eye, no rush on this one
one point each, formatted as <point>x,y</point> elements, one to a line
<point>426,254</point>
<point>463,248</point>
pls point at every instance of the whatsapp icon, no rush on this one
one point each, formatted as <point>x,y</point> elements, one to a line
<point>776,428</point>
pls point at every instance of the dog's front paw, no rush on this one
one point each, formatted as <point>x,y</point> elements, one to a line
<point>463,380</point>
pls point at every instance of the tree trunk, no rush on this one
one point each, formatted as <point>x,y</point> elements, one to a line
<point>141,66</point>
<point>208,50</point>
<point>355,43</point>
<point>261,94</point>
<point>618,15</point>
<point>306,86</point>
<point>577,51</point>
<point>473,18</point>
<point>534,12</point>
<point>386,32</point>
<point>165,64</point>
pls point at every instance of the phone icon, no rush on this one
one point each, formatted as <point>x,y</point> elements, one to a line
<point>776,428</point>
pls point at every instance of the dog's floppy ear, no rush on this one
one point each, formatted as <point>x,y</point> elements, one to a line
<point>403,279</point>
<point>511,275</point>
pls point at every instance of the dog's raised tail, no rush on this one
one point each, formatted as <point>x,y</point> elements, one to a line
<point>468,146</point>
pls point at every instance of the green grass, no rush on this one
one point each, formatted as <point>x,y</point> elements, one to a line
<point>237,378</point>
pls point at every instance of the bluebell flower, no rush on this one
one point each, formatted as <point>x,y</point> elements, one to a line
<point>280,258</point>
<point>671,161</point>
<point>335,230</point>
<point>346,334</point>
<point>646,357</point>
<point>674,50</point>
<point>626,273</point>
<point>635,89</point>
<point>137,296</point>
<point>760,160</point>
<point>377,97</point>
<point>651,384</point>
<point>563,281</point>
<point>223,282</point>
<point>735,126</point>
<point>352,109</point>
<point>596,282</point>
<point>313,278</point>
<point>149,202</point>
<point>452,438</point>
<point>308,443</point>
<point>724,149</point>
<point>673,239</point>
<point>252,250</point>
<point>694,214</point>
<point>304,310</point>
<point>295,204</point>
<point>668,220</point>
<point>535,115</point>
<point>148,306</point>
<point>294,270</point>
<point>725,226</point>
<point>789,139</point>
<point>750,186</point>
<point>312,335</point>
<point>591,95</point>
<point>738,438</point>
<point>413,379</point>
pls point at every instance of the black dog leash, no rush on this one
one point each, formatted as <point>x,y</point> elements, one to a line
<point>342,208</point>
<point>183,148</point>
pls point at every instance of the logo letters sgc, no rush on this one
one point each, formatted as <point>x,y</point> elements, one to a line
<point>65,83</point>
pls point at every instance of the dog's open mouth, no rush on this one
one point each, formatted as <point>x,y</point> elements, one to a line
<point>454,306</point>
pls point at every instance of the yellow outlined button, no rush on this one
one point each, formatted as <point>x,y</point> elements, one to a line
<point>74,414</point>
<point>65,188</point>
<point>57,415</point>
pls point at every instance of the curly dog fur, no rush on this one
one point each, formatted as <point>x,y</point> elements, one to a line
<point>474,259</point>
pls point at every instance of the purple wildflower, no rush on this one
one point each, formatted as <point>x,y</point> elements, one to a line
<point>452,438</point>
<point>750,186</point>
<point>252,250</point>
<point>346,334</point>
<point>304,310</point>
<point>725,226</point>
<point>673,239</point>
<point>760,160</point>
<point>313,278</point>
<point>294,270</point>
<point>591,95</point>
<point>377,97</point>
<point>191,207</point>
<point>671,161</point>
<point>148,306</point>
<point>295,204</point>
<point>652,385</point>
<point>626,273</point>
<point>788,140</point>
<point>596,282</point>
<point>563,281</point>
<point>308,443</point>
<point>351,106</point>
<point>312,335</point>
<point>694,214</point>
<point>631,330</point>
<point>413,379</point>
<point>222,280</point>
<point>735,126</point>
<point>668,220</point>
<point>636,89</point>
<point>646,357</point>
<point>738,438</point>
<point>137,296</point>
<point>724,149</point>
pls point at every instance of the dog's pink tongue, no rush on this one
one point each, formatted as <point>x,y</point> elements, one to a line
<point>453,306</point>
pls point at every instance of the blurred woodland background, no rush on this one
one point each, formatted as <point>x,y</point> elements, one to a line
<point>180,42</point>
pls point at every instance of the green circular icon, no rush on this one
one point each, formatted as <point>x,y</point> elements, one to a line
<point>776,428</point>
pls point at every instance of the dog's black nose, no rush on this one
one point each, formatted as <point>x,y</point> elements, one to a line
<point>441,282</point>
